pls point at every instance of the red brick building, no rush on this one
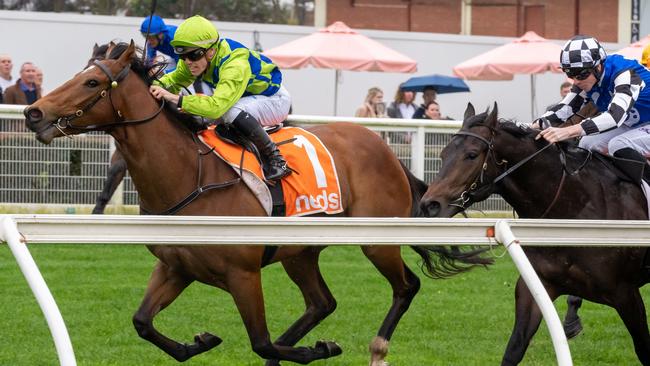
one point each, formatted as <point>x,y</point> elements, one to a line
<point>553,19</point>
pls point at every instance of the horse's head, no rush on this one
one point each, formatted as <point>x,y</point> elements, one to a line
<point>466,170</point>
<point>81,103</point>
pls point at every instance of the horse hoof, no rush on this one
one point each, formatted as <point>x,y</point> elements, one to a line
<point>572,328</point>
<point>330,349</point>
<point>207,341</point>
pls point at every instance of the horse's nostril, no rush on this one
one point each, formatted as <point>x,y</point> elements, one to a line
<point>430,208</point>
<point>33,114</point>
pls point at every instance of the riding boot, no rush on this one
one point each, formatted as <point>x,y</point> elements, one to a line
<point>273,164</point>
<point>633,164</point>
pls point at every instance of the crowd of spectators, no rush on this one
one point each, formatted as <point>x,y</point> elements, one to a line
<point>402,106</point>
<point>26,89</point>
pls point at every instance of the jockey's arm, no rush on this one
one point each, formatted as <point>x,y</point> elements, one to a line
<point>177,79</point>
<point>627,87</point>
<point>569,106</point>
<point>233,80</point>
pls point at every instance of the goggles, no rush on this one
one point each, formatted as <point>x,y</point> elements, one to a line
<point>194,55</point>
<point>145,35</point>
<point>578,74</point>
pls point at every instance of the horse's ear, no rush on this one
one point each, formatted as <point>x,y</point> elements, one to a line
<point>469,111</point>
<point>111,44</point>
<point>127,56</point>
<point>95,47</point>
<point>491,119</point>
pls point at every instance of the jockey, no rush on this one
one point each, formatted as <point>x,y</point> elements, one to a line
<point>247,87</point>
<point>158,38</point>
<point>617,86</point>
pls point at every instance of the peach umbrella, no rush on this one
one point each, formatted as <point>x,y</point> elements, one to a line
<point>635,50</point>
<point>529,54</point>
<point>341,48</point>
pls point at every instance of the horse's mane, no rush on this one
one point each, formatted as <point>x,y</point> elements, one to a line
<point>149,73</point>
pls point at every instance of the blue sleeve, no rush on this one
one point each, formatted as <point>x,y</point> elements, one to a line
<point>151,54</point>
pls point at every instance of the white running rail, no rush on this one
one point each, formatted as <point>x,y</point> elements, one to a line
<point>17,230</point>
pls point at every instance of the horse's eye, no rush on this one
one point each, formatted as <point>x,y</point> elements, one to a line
<point>471,156</point>
<point>92,83</point>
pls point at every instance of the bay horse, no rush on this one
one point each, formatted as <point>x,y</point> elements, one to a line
<point>490,156</point>
<point>161,155</point>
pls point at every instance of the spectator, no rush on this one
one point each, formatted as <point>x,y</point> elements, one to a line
<point>402,106</point>
<point>374,104</point>
<point>645,57</point>
<point>39,79</point>
<point>565,88</point>
<point>432,111</point>
<point>5,72</point>
<point>25,90</point>
<point>429,95</point>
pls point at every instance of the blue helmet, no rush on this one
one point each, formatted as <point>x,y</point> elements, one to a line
<point>157,25</point>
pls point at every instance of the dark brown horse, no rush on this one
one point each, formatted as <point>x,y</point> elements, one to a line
<point>161,155</point>
<point>480,160</point>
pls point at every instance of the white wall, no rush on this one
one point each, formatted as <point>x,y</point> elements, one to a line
<point>61,43</point>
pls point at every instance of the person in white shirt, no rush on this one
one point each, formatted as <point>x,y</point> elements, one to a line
<point>5,72</point>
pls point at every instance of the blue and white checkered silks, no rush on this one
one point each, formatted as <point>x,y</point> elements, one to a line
<point>582,52</point>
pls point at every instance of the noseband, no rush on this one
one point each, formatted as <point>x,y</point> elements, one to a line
<point>478,188</point>
<point>66,121</point>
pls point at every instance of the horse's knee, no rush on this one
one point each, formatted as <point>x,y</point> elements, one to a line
<point>265,349</point>
<point>142,325</point>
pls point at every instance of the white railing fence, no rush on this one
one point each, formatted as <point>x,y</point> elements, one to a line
<point>72,171</point>
<point>18,230</point>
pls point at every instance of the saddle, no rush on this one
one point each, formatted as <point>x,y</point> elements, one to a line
<point>625,169</point>
<point>233,136</point>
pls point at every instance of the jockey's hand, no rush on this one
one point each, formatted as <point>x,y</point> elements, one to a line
<point>160,93</point>
<point>540,123</point>
<point>555,134</point>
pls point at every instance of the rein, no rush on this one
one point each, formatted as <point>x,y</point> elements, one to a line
<point>466,197</point>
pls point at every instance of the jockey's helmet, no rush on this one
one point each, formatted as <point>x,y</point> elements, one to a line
<point>581,53</point>
<point>195,32</point>
<point>157,25</point>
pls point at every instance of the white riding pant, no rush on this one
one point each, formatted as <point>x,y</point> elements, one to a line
<point>637,138</point>
<point>268,111</point>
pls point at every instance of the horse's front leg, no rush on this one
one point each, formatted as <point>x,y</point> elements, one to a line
<point>528,316</point>
<point>163,288</point>
<point>319,301</point>
<point>405,285</point>
<point>572,324</point>
<point>245,286</point>
<point>631,309</point>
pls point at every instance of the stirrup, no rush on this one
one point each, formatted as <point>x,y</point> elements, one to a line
<point>279,172</point>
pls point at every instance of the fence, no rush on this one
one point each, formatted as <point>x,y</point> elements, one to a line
<point>71,171</point>
<point>16,230</point>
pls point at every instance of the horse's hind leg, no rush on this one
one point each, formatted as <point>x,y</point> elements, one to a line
<point>572,324</point>
<point>319,302</point>
<point>163,288</point>
<point>528,316</point>
<point>631,309</point>
<point>405,284</point>
<point>245,286</point>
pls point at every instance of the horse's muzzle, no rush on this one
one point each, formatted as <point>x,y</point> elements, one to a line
<point>430,208</point>
<point>33,115</point>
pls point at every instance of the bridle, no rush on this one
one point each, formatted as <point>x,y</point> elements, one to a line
<point>478,188</point>
<point>66,121</point>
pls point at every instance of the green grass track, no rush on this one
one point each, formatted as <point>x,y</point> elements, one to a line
<point>465,320</point>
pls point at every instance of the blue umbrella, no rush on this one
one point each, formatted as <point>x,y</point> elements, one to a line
<point>442,84</point>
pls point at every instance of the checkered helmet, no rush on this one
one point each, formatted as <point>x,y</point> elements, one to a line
<point>582,52</point>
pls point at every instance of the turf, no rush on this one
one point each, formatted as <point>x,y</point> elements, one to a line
<point>465,320</point>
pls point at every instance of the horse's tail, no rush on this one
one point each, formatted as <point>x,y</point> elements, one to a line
<point>439,261</point>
